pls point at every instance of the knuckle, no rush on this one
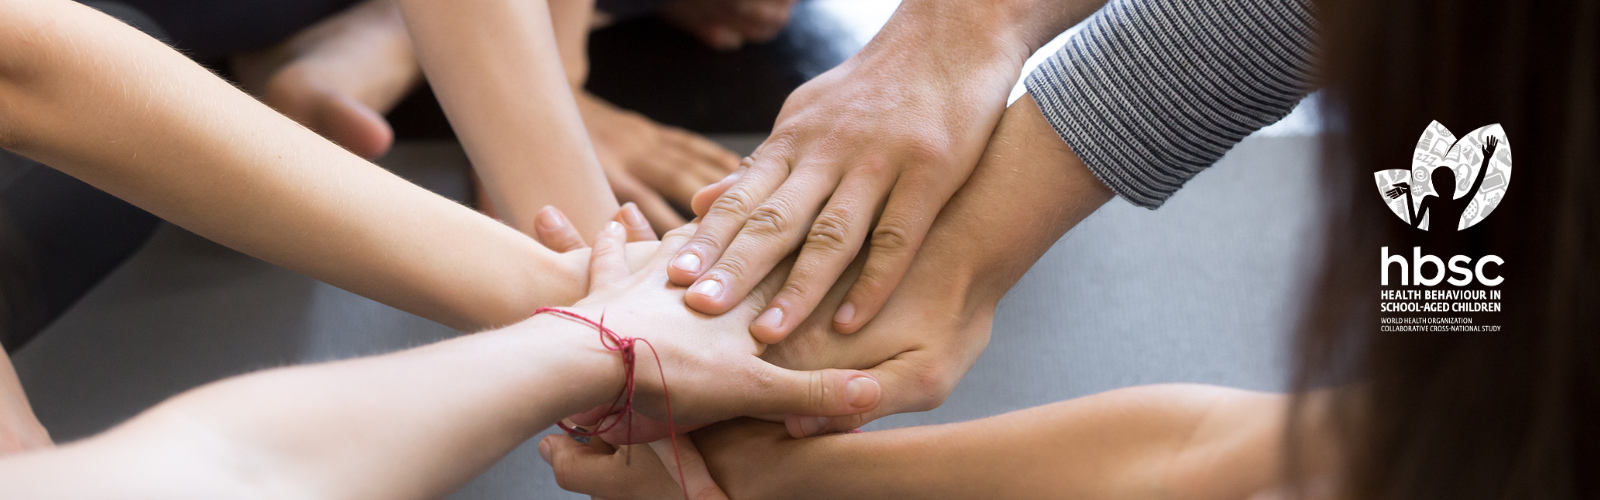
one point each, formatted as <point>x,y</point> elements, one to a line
<point>928,151</point>
<point>891,237</point>
<point>875,166</point>
<point>829,233</point>
<point>733,265</point>
<point>930,387</point>
<point>733,204</point>
<point>817,390</point>
<point>769,219</point>
<point>794,288</point>
<point>565,477</point>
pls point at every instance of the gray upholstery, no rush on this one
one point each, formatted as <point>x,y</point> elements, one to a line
<point>1204,290</point>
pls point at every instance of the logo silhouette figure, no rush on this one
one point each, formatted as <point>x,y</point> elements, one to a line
<point>1443,211</point>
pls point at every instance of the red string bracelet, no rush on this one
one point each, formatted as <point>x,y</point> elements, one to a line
<point>615,342</point>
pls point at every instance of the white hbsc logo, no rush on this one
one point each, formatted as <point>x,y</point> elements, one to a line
<point>1453,183</point>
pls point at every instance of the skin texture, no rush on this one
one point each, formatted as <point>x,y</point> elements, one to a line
<point>1181,442</point>
<point>76,92</point>
<point>339,76</point>
<point>895,130</point>
<point>529,151</point>
<point>1028,191</point>
<point>419,423</point>
<point>20,430</point>
<point>651,165</point>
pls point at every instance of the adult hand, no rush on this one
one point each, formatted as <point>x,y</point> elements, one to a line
<point>896,129</point>
<point>917,356</point>
<point>934,326</point>
<point>711,362</point>
<point>728,24</point>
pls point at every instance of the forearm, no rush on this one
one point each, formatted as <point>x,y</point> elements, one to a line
<point>1176,441</point>
<point>498,73</point>
<point>413,424</point>
<point>1027,191</point>
<point>20,430</point>
<point>570,20</point>
<point>1010,29</point>
<point>94,98</point>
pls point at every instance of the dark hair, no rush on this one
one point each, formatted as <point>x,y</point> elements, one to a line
<point>1509,414</point>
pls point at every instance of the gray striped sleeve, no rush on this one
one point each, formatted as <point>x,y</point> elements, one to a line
<point>1151,92</point>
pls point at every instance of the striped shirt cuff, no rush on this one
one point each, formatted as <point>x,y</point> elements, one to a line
<point>1151,92</point>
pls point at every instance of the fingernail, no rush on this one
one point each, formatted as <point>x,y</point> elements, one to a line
<point>634,216</point>
<point>687,262</point>
<point>551,218</point>
<point>846,312</point>
<point>709,288</point>
<point>810,426</point>
<point>862,392</point>
<point>613,227</point>
<point>770,319</point>
<point>544,450</point>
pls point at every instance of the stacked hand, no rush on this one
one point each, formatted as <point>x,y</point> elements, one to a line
<point>882,133</point>
<point>709,363</point>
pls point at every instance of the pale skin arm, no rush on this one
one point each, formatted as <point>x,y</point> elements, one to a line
<point>419,423</point>
<point>499,75</point>
<point>96,99</point>
<point>1188,442</point>
<point>1029,189</point>
<point>20,430</point>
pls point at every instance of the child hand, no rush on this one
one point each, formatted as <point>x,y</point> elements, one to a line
<point>554,231</point>
<point>710,364</point>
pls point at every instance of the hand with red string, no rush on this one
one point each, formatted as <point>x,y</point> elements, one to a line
<point>691,369</point>
<point>935,325</point>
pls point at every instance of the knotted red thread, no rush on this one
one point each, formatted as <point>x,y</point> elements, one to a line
<point>613,341</point>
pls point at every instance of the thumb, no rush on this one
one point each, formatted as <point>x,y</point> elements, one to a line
<point>822,393</point>
<point>680,455</point>
<point>578,467</point>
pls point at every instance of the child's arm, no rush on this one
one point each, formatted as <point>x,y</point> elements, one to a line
<point>421,422</point>
<point>96,99</point>
<point>496,69</point>
<point>20,430</point>
<point>1167,441</point>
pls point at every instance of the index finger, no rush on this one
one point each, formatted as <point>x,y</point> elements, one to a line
<point>727,215</point>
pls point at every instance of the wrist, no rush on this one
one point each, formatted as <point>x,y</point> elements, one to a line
<point>983,34</point>
<point>1012,29</point>
<point>562,361</point>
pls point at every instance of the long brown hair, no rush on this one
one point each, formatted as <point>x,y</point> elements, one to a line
<point>1510,414</point>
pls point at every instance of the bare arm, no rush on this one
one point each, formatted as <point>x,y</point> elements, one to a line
<point>896,130</point>
<point>96,99</point>
<point>500,77</point>
<point>1165,441</point>
<point>20,430</point>
<point>1029,189</point>
<point>418,423</point>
